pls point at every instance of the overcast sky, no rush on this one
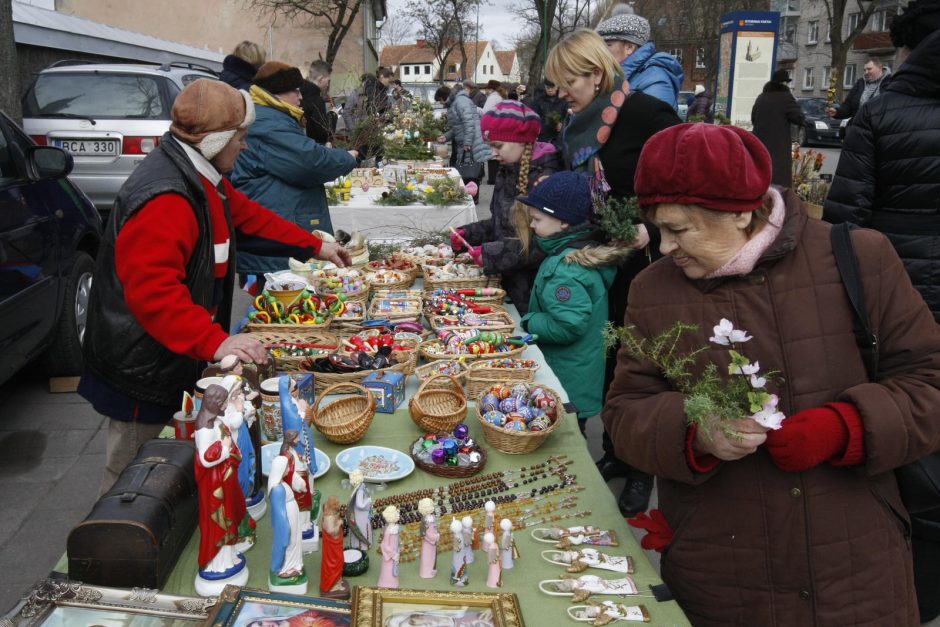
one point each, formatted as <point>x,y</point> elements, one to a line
<point>496,22</point>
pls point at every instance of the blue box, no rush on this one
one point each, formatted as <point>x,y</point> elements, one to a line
<point>388,388</point>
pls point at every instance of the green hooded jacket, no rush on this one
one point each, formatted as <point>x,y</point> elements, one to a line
<point>568,310</point>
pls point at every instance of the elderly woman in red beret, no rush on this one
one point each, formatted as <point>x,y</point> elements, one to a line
<point>802,525</point>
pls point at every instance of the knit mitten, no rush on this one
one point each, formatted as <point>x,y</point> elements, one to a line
<point>833,433</point>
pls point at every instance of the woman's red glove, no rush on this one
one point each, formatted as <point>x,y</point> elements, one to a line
<point>833,432</point>
<point>476,252</point>
<point>658,532</point>
<point>456,243</point>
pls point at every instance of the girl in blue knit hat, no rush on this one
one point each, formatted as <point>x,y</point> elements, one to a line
<point>500,244</point>
<point>568,304</point>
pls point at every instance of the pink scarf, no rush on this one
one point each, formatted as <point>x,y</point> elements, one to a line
<point>746,258</point>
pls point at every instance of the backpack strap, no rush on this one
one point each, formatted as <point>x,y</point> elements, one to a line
<point>847,263</point>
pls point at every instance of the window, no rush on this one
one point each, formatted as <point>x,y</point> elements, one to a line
<point>812,32</point>
<point>853,21</point>
<point>809,79</point>
<point>849,76</point>
<point>677,53</point>
<point>427,69</point>
<point>827,39</point>
<point>407,69</point>
<point>827,74</point>
<point>484,70</point>
<point>700,58</point>
<point>491,70</point>
<point>881,20</point>
<point>452,68</point>
<point>99,95</point>
<point>8,170</point>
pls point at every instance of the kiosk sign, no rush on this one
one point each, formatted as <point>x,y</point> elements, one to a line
<point>747,52</point>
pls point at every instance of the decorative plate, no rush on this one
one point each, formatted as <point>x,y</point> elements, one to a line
<point>377,463</point>
<point>270,451</point>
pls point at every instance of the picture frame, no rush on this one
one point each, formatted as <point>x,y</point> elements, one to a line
<point>246,607</point>
<point>389,607</point>
<point>60,601</point>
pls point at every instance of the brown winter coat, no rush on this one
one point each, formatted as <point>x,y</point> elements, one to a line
<point>754,545</point>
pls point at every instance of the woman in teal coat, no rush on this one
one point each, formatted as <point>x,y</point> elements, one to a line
<point>568,304</point>
<point>282,168</point>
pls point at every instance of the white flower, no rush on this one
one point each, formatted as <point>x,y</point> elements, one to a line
<point>751,369</point>
<point>768,416</point>
<point>758,382</point>
<point>722,330</point>
<point>739,335</point>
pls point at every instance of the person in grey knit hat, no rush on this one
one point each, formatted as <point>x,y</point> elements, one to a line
<point>654,73</point>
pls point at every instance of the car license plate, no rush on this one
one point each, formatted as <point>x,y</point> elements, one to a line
<point>90,147</point>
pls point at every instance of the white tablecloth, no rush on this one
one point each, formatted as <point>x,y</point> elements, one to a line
<point>405,222</point>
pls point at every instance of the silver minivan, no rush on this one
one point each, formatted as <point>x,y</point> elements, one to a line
<point>108,116</point>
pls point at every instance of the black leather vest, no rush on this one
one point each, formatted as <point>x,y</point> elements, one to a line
<point>116,348</point>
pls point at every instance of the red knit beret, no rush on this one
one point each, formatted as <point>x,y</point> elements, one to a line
<point>511,121</point>
<point>724,168</point>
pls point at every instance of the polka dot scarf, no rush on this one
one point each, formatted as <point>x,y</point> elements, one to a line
<point>588,131</point>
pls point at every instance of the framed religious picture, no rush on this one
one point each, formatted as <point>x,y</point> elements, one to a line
<point>387,607</point>
<point>62,603</point>
<point>244,607</point>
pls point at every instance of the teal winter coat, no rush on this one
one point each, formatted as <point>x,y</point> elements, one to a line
<point>568,311</point>
<point>285,170</point>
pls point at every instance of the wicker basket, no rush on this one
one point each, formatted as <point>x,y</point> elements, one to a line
<point>407,265</point>
<point>319,285</point>
<point>499,321</point>
<point>347,419</point>
<point>410,312</point>
<point>407,365</point>
<point>436,409</point>
<point>430,355</point>
<point>497,298</point>
<point>350,323</point>
<point>406,281</point>
<point>286,363</point>
<point>323,380</point>
<point>518,442</point>
<point>446,470</point>
<point>257,327</point>
<point>431,283</point>
<point>482,375</point>
<point>429,370</point>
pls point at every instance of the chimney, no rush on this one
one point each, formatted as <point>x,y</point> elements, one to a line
<point>421,43</point>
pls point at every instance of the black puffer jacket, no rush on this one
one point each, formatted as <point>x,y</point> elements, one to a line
<point>546,106</point>
<point>888,176</point>
<point>502,250</point>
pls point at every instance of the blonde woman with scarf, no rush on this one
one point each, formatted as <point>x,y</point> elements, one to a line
<point>282,168</point>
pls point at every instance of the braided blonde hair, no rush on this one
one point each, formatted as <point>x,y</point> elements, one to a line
<point>520,213</point>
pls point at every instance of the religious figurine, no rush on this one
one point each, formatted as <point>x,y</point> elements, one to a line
<point>581,560</point>
<point>390,549</point>
<point>429,539</point>
<point>359,513</point>
<point>458,566</point>
<point>574,536</point>
<point>287,556</point>
<point>223,518</point>
<point>489,522</point>
<point>468,537</point>
<point>606,612</point>
<point>236,416</point>
<point>332,584</point>
<point>507,544</point>
<point>294,416</point>
<point>494,569</point>
<point>584,586</point>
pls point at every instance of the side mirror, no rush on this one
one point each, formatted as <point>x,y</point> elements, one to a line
<point>48,162</point>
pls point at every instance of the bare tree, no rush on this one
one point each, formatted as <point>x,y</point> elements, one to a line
<point>339,14</point>
<point>546,23</point>
<point>397,30</point>
<point>9,72</point>
<point>835,11</point>
<point>442,24</point>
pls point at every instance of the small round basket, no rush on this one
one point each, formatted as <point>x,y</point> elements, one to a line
<point>438,409</point>
<point>431,369</point>
<point>431,350</point>
<point>519,442</point>
<point>346,419</point>
<point>446,470</point>
<point>483,374</point>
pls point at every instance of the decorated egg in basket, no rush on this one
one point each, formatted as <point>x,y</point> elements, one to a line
<point>490,402</point>
<point>495,418</point>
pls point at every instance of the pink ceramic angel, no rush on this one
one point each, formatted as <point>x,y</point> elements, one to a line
<point>494,568</point>
<point>489,522</point>
<point>430,535</point>
<point>390,548</point>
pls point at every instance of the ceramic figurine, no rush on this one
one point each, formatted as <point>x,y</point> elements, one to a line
<point>489,522</point>
<point>332,584</point>
<point>429,539</point>
<point>390,549</point>
<point>584,586</point>
<point>287,557</point>
<point>507,544</point>
<point>359,514</point>
<point>494,569</point>
<point>223,517</point>
<point>574,536</point>
<point>606,612</point>
<point>468,536</point>
<point>580,560</point>
<point>458,566</point>
<point>293,416</point>
<point>236,416</point>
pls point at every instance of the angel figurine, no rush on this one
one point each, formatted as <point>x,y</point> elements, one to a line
<point>468,537</point>
<point>489,522</point>
<point>606,612</point>
<point>390,548</point>
<point>287,556</point>
<point>582,587</point>
<point>458,567</point>
<point>359,513</point>
<point>507,544</point>
<point>293,416</point>
<point>332,584</point>
<point>429,539</point>
<point>574,536</point>
<point>494,561</point>
<point>582,559</point>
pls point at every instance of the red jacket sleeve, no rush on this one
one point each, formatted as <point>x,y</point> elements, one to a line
<point>151,254</point>
<point>263,225</point>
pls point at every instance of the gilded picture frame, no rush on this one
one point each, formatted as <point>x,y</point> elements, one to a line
<point>245,607</point>
<point>388,607</point>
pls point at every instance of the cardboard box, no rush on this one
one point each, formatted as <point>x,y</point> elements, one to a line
<point>388,388</point>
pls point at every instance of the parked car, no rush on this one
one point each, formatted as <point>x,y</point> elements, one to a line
<point>108,116</point>
<point>49,236</point>
<point>683,99</point>
<point>818,128</point>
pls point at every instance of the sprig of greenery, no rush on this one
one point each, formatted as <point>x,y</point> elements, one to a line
<point>618,218</point>
<point>445,191</point>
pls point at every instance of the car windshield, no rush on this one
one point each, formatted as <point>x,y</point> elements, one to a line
<point>814,107</point>
<point>95,95</point>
